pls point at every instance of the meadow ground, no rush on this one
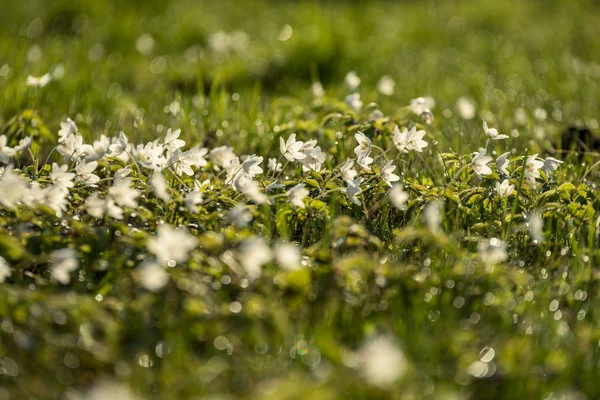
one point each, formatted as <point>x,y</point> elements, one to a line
<point>276,200</point>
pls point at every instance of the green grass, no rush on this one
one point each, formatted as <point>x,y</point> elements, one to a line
<point>370,270</point>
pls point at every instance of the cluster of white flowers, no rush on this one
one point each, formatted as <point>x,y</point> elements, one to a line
<point>170,172</point>
<point>533,164</point>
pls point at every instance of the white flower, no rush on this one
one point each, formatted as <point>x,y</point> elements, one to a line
<point>364,162</point>
<point>112,209</point>
<point>532,167</point>
<point>6,153</point>
<point>250,166</point>
<point>123,194</point>
<point>239,216</point>
<point>150,155</point>
<point>314,159</point>
<point>421,105</point>
<point>406,141</point>
<point>40,81</point>
<point>64,261</point>
<point>381,362</point>
<point>159,186</point>
<point>386,85</point>
<point>354,102</point>
<point>152,276</point>
<point>172,141</point>
<point>100,148</point>
<point>536,227</point>
<point>72,148</point>
<point>171,244</point>
<point>55,197</point>
<point>504,189</point>
<point>492,251</point>
<point>479,163</point>
<point>251,189</point>
<point>85,174</point>
<point>12,188</point>
<point>551,164</point>
<point>221,156</point>
<point>274,166</point>
<point>502,163</point>
<point>466,108</point>
<point>291,149</point>
<point>254,253</point>
<point>352,80</point>
<point>317,89</point>
<point>67,128</point>
<point>5,271</point>
<point>297,194</point>
<point>387,173</point>
<point>60,177</point>
<point>492,133</point>
<point>24,144</point>
<point>233,169</point>
<point>398,197</point>
<point>347,171</point>
<point>193,200</point>
<point>95,206</point>
<point>364,145</point>
<point>195,156</point>
<point>433,215</point>
<point>120,145</point>
<point>353,190</point>
<point>288,256</point>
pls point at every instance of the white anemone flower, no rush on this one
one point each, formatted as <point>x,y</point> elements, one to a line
<point>492,251</point>
<point>6,153</point>
<point>502,163</point>
<point>352,80</point>
<point>193,200</point>
<point>67,128</point>
<point>381,361</point>
<point>85,173</point>
<point>159,186</point>
<point>505,188</point>
<point>172,141</point>
<point>38,81</point>
<point>297,194</point>
<point>551,164</point>
<point>254,254</point>
<point>532,168</point>
<point>347,171</point>
<point>353,190</point>
<point>398,197</point>
<point>60,177</point>
<point>409,140</point>
<point>122,193</point>
<point>480,163</point>
<point>386,85</point>
<point>364,145</point>
<point>492,133</point>
<point>171,244</point>
<point>387,173</point>
<point>291,149</point>
<point>64,261</point>
<point>288,256</point>
<point>354,102</point>
<point>152,276</point>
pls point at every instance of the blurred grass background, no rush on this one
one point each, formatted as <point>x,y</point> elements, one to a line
<point>119,58</point>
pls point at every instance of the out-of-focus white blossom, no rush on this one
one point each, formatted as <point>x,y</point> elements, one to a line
<point>171,244</point>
